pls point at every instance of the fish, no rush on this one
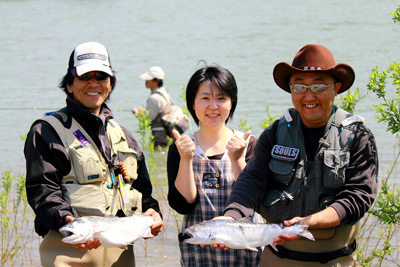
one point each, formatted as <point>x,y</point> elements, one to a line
<point>241,234</point>
<point>112,231</point>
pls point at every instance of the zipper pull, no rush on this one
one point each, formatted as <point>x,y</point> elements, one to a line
<point>337,161</point>
<point>336,172</point>
<point>305,181</point>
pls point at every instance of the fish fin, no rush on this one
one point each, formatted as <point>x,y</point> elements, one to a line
<point>304,230</point>
<point>307,234</point>
<point>148,234</point>
<point>216,240</point>
<point>275,248</point>
<point>252,249</point>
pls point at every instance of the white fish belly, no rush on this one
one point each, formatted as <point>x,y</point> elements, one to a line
<point>125,231</point>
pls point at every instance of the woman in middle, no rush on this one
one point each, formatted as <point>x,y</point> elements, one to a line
<point>203,166</point>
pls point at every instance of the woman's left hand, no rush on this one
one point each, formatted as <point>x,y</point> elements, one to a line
<point>236,146</point>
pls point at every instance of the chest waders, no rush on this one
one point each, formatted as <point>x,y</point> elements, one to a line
<point>91,191</point>
<point>302,187</point>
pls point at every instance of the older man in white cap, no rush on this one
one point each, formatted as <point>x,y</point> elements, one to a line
<point>159,104</point>
<point>72,156</point>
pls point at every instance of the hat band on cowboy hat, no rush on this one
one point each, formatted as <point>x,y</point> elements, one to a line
<point>153,73</point>
<point>318,59</point>
<point>90,56</point>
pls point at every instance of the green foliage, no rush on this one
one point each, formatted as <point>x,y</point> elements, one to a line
<point>183,92</point>
<point>387,205</point>
<point>349,101</point>
<point>268,120</point>
<point>243,124</point>
<point>389,109</point>
<point>184,107</point>
<point>15,233</point>
<point>157,176</point>
<point>385,225</point>
<point>386,210</point>
<point>396,15</point>
<point>144,129</point>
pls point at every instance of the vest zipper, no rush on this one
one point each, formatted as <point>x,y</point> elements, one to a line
<point>309,174</point>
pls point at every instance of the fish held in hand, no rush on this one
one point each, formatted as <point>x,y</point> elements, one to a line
<point>241,234</point>
<point>112,231</point>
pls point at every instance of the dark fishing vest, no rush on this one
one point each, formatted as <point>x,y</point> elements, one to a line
<point>301,187</point>
<point>89,187</point>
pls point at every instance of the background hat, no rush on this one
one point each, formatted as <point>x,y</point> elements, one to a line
<point>153,72</point>
<point>90,56</point>
<point>314,58</point>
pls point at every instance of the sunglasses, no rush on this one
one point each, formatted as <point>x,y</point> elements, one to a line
<point>315,88</point>
<point>100,76</point>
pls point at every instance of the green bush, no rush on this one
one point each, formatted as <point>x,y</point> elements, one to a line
<point>15,229</point>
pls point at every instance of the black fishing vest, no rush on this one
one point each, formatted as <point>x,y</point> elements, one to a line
<point>301,187</point>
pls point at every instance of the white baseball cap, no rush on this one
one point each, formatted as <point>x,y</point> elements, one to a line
<point>153,72</point>
<point>90,56</point>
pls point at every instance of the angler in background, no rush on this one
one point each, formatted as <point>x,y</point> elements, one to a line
<point>159,104</point>
<point>318,163</point>
<point>80,162</point>
<point>202,167</point>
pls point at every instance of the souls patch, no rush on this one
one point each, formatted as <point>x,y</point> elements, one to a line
<point>286,153</point>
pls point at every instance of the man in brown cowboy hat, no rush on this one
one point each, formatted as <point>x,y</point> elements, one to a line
<point>316,165</point>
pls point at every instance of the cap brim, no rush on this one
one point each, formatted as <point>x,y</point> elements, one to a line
<point>81,69</point>
<point>146,77</point>
<point>342,72</point>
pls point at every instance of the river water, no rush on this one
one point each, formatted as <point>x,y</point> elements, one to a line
<point>247,37</point>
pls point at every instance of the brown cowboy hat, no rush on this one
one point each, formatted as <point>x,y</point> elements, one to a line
<point>314,58</point>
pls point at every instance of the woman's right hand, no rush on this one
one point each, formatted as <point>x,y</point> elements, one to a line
<point>184,144</point>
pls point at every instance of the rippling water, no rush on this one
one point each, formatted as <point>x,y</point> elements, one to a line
<point>249,38</point>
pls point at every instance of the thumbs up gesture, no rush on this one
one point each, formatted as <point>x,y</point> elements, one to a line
<point>184,144</point>
<point>236,145</point>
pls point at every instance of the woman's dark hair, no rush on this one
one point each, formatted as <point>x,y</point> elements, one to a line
<point>217,76</point>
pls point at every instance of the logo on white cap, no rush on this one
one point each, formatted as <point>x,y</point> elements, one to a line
<point>91,56</point>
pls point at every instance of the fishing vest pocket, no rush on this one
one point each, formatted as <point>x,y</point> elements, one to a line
<point>128,157</point>
<point>282,170</point>
<point>87,165</point>
<point>135,202</point>
<point>335,163</point>
<point>87,200</point>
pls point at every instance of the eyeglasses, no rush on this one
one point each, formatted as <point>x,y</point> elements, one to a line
<point>100,76</point>
<point>315,88</point>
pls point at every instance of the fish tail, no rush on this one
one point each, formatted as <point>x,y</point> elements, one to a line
<point>304,230</point>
